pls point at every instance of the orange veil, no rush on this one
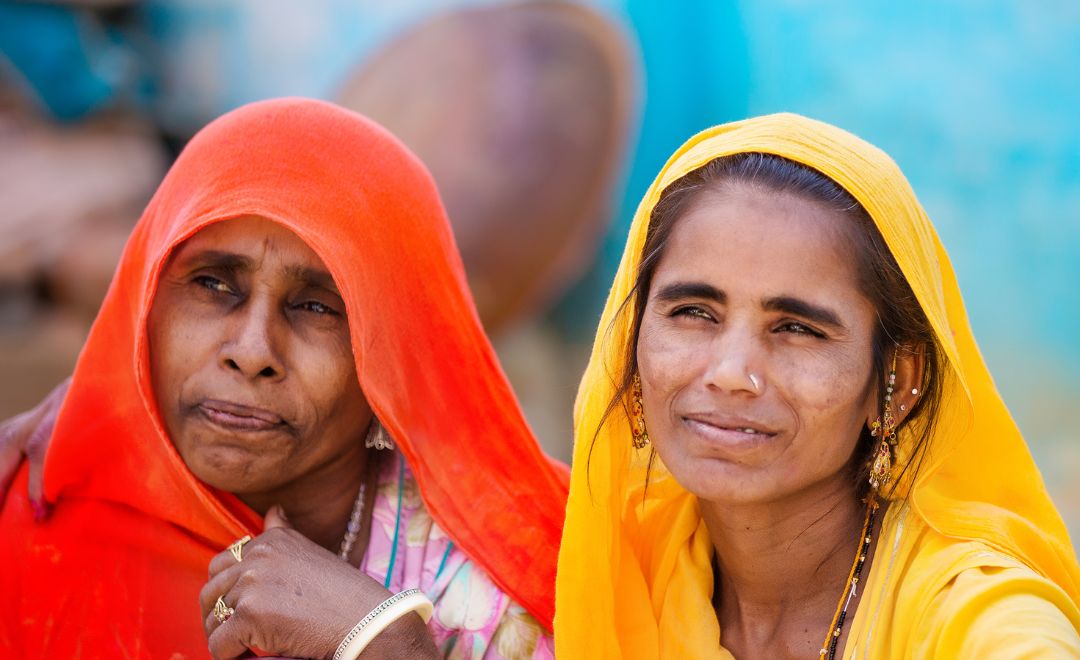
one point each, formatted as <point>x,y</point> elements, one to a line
<point>116,570</point>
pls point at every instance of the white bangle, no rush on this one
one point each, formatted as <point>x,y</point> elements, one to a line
<point>380,618</point>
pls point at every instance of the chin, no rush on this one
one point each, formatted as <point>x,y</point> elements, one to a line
<point>228,469</point>
<point>720,481</point>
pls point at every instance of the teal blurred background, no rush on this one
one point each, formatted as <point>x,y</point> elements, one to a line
<point>977,100</point>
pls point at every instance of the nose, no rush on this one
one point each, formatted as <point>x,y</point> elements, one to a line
<point>252,347</point>
<point>735,363</point>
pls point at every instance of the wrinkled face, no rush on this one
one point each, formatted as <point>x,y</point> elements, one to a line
<point>755,349</point>
<point>250,358</point>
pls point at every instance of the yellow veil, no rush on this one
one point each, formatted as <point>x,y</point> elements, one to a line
<point>634,575</point>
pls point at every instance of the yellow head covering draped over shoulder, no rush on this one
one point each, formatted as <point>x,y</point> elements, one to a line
<point>634,576</point>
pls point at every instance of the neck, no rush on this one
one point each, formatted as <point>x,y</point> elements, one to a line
<point>783,564</point>
<point>318,505</point>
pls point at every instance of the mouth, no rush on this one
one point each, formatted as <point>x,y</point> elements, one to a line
<point>236,417</point>
<point>728,432</point>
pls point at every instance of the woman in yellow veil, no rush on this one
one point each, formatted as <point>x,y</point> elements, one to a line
<point>787,441</point>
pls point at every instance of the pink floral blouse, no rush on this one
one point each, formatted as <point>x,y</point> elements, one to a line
<point>473,618</point>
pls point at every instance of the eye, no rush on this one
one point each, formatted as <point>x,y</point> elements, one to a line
<point>212,283</point>
<point>318,308</point>
<point>693,311</point>
<point>794,327</point>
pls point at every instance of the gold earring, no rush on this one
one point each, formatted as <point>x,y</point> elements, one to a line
<point>637,416</point>
<point>884,426</point>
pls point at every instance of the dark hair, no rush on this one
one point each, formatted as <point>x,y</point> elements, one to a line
<point>902,322</point>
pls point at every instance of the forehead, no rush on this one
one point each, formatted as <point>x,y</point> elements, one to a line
<point>247,235</point>
<point>757,242</point>
<point>253,244</point>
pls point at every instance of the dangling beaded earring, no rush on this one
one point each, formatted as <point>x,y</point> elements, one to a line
<point>885,427</point>
<point>637,416</point>
<point>377,437</point>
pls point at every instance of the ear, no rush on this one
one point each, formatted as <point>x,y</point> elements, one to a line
<point>910,367</point>
<point>910,364</point>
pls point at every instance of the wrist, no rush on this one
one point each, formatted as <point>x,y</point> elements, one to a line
<point>408,637</point>
<point>344,616</point>
<point>397,626</point>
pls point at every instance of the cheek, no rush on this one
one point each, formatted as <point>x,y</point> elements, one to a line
<point>328,374</point>
<point>826,393</point>
<point>655,355</point>
<point>667,363</point>
<point>165,367</point>
<point>179,346</point>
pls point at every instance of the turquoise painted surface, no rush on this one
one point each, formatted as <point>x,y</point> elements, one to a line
<point>979,103</point>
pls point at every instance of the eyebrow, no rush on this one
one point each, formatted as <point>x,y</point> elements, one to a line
<point>237,263</point>
<point>804,309</point>
<point>313,276</point>
<point>785,304</point>
<point>229,261</point>
<point>684,290</point>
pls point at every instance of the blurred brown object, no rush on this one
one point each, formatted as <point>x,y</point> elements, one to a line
<point>69,196</point>
<point>521,112</point>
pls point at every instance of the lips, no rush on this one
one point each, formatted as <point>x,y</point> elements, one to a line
<point>729,432</point>
<point>238,417</point>
<point>731,423</point>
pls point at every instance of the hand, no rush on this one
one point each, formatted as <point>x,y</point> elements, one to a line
<point>294,598</point>
<point>29,434</point>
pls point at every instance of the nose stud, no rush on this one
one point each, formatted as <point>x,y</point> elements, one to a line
<point>754,380</point>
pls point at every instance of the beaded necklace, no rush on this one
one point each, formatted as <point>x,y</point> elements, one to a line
<point>352,530</point>
<point>832,638</point>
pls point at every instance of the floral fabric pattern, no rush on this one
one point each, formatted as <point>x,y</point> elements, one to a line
<point>473,619</point>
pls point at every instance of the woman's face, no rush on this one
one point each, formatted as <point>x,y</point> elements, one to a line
<point>250,357</point>
<point>755,347</point>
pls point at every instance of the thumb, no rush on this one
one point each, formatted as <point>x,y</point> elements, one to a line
<point>275,517</point>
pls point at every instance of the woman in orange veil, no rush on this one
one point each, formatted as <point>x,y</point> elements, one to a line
<point>117,569</point>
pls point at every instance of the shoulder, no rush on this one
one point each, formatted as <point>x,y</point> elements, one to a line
<point>966,599</point>
<point>1001,608</point>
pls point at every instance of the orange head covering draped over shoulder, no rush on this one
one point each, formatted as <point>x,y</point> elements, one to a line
<point>635,578</point>
<point>133,530</point>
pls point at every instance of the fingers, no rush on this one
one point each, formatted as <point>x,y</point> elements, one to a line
<point>233,637</point>
<point>29,434</point>
<point>228,640</point>
<point>38,444</point>
<point>275,518</point>
<point>35,456</point>
<point>223,561</point>
<point>210,624</point>
<point>10,457</point>
<point>218,585</point>
<point>61,390</point>
<point>13,436</point>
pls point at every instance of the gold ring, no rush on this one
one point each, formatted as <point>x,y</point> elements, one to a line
<point>237,548</point>
<point>222,612</point>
